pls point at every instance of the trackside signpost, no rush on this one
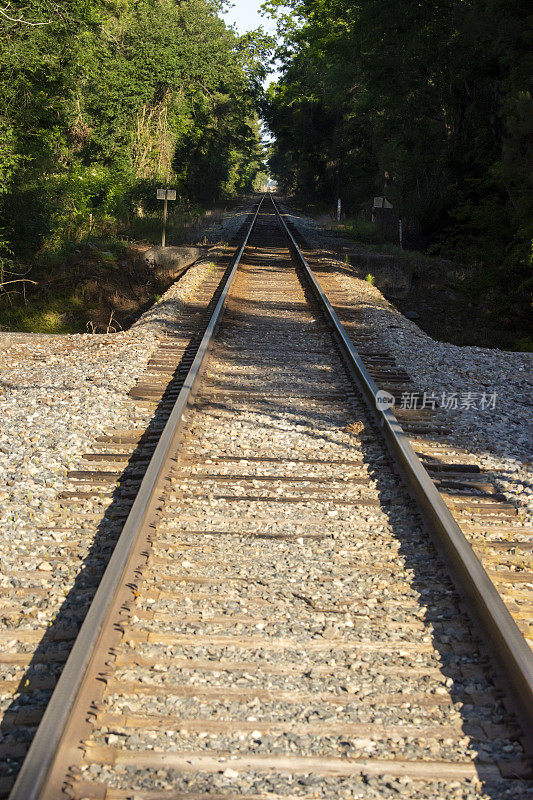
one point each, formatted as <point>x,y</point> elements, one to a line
<point>166,195</point>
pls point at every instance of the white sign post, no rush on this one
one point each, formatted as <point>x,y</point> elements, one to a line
<point>166,195</point>
<point>382,202</point>
<point>339,208</point>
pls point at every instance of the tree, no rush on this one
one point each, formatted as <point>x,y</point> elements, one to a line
<point>102,98</point>
<point>437,94</point>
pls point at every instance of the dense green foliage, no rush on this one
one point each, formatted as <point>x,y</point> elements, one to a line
<point>102,99</point>
<point>435,92</point>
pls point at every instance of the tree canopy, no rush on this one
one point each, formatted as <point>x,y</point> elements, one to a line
<point>101,98</point>
<point>438,94</point>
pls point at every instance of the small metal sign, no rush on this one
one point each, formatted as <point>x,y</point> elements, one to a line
<point>166,194</point>
<point>381,202</point>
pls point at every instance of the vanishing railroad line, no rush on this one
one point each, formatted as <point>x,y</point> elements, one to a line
<point>274,621</point>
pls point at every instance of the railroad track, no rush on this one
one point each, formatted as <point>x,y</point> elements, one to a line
<point>274,620</point>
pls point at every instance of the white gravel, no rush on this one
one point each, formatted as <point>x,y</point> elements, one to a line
<point>214,594</point>
<point>57,393</point>
<point>500,439</point>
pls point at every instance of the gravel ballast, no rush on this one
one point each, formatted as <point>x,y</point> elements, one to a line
<point>291,607</point>
<point>367,594</point>
<point>59,392</point>
<point>498,438</point>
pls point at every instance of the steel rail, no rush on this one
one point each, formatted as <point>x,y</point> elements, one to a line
<point>38,776</point>
<point>510,648</point>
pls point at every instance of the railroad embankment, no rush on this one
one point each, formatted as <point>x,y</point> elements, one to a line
<point>484,392</point>
<point>58,391</point>
<point>450,301</point>
<point>105,285</point>
<point>273,617</point>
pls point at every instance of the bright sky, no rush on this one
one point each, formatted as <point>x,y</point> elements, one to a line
<point>245,15</point>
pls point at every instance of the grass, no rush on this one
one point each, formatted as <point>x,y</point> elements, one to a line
<point>525,344</point>
<point>80,282</point>
<point>85,292</point>
<point>182,226</point>
<point>370,236</point>
<point>65,313</point>
<point>414,262</point>
<point>360,229</point>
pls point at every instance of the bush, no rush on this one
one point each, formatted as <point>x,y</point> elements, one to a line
<point>525,345</point>
<point>362,230</point>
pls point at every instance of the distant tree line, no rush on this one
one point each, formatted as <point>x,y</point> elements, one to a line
<point>100,100</point>
<point>435,92</point>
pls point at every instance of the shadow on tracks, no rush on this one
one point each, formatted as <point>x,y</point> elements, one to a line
<point>460,658</point>
<point>463,659</point>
